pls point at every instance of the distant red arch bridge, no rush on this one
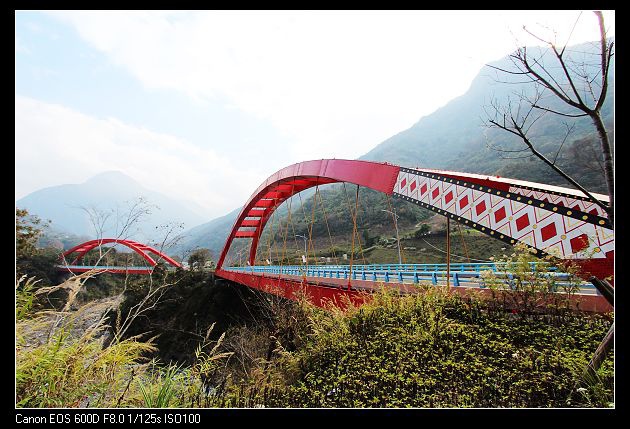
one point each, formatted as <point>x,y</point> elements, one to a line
<point>150,255</point>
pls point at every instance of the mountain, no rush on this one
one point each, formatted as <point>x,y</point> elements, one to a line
<point>210,235</point>
<point>373,220</point>
<point>110,192</point>
<point>454,137</point>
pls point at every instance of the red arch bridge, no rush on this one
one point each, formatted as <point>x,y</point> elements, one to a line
<point>143,250</point>
<point>549,219</point>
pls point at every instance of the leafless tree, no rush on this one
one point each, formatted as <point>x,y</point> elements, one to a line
<point>157,287</point>
<point>124,222</point>
<point>579,87</point>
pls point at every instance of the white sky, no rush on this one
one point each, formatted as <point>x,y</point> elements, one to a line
<point>316,84</point>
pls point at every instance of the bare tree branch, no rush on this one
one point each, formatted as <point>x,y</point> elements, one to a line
<point>569,130</point>
<point>574,75</point>
<point>580,115</point>
<point>515,129</point>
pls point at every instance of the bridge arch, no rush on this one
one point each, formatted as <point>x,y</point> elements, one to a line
<point>296,178</point>
<point>141,249</point>
<point>550,219</point>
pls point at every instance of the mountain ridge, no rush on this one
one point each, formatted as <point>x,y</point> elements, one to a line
<point>110,192</point>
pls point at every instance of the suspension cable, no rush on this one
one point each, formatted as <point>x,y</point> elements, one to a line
<point>305,221</point>
<point>459,227</point>
<point>310,229</point>
<point>391,210</point>
<point>352,248</point>
<point>273,215</point>
<point>457,256</point>
<point>355,231</point>
<point>297,247</point>
<point>353,216</point>
<point>286,231</point>
<point>332,247</point>
<point>359,216</point>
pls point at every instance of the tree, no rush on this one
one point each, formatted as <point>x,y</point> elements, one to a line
<point>561,78</point>
<point>424,228</point>
<point>141,294</point>
<point>580,90</point>
<point>30,260</point>
<point>28,229</point>
<point>198,258</point>
<point>368,239</point>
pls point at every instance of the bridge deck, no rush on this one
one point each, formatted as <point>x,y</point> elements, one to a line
<point>331,281</point>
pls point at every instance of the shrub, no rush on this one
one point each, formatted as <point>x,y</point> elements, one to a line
<point>433,349</point>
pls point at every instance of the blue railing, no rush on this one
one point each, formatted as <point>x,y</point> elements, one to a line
<point>461,267</point>
<point>460,274</point>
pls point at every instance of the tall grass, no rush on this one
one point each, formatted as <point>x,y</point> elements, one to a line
<point>67,371</point>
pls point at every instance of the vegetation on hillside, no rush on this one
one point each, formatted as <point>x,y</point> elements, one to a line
<point>212,344</point>
<point>326,220</point>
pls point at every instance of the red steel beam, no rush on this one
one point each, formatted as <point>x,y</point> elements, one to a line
<point>265,203</point>
<point>335,291</point>
<point>321,296</point>
<point>256,213</point>
<point>275,195</point>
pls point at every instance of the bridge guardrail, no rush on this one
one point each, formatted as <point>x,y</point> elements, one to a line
<point>460,274</point>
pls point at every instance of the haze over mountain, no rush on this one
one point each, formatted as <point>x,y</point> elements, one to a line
<point>454,137</point>
<point>108,192</point>
<point>210,235</point>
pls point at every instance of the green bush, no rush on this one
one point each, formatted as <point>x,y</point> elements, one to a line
<point>438,350</point>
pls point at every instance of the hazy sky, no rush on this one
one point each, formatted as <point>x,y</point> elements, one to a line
<point>205,105</point>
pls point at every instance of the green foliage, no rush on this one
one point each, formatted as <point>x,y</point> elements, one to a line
<point>368,239</point>
<point>430,349</point>
<point>438,350</point>
<point>66,359</point>
<point>185,386</point>
<point>159,393</point>
<point>70,371</point>
<point>184,312</point>
<point>530,288</point>
<point>28,228</point>
<point>198,258</point>
<point>24,297</point>
<point>420,232</point>
<point>41,265</point>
